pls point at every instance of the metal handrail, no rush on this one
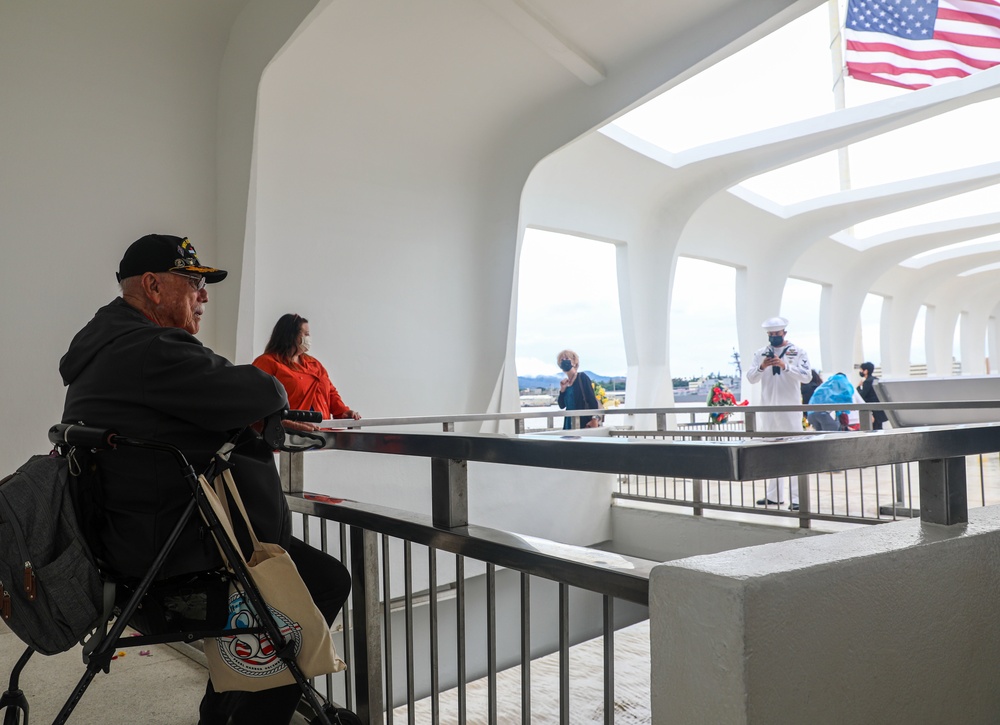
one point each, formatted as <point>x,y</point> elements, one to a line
<point>623,577</point>
<point>730,460</point>
<point>618,411</point>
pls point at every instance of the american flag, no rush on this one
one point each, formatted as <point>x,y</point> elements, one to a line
<point>918,43</point>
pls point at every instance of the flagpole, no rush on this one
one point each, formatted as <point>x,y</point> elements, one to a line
<point>839,98</point>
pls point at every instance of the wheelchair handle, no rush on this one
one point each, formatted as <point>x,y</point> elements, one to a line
<point>84,436</point>
<point>303,416</point>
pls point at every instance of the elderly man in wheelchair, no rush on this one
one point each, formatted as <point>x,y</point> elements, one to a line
<point>138,368</point>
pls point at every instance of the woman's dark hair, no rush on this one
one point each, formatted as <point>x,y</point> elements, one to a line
<point>285,336</point>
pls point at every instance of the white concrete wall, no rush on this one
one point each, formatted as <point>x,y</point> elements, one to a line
<point>657,536</point>
<point>887,624</point>
<point>108,133</point>
<point>113,119</point>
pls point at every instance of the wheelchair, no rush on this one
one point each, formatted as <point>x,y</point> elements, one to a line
<point>179,609</point>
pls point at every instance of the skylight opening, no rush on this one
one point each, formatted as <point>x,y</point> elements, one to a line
<point>959,139</point>
<point>742,93</point>
<point>807,179</point>
<point>980,270</point>
<point>730,99</point>
<point>972,203</point>
<point>951,251</point>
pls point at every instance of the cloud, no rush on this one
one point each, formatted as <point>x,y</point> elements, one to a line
<point>532,366</point>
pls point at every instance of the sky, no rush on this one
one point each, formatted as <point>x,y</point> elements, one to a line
<point>560,309</point>
<point>567,289</point>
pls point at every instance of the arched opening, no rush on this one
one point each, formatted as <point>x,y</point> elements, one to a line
<point>567,298</point>
<point>703,334</point>
<point>800,305</point>
<point>918,345</point>
<point>871,329</point>
<point>956,346</point>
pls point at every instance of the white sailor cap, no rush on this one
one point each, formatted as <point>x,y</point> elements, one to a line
<point>774,324</point>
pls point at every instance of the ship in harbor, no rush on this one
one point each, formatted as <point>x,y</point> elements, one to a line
<point>697,391</point>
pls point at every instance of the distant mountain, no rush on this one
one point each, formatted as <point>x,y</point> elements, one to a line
<point>550,382</point>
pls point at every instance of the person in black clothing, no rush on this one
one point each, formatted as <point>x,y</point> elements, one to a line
<point>867,392</point>
<point>809,388</point>
<point>136,367</point>
<point>576,392</point>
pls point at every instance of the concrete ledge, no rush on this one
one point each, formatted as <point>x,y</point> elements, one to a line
<point>890,624</point>
<point>654,534</point>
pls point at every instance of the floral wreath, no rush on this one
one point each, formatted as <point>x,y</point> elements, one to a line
<point>719,395</point>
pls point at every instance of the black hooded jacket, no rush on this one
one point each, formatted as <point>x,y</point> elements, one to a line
<point>160,383</point>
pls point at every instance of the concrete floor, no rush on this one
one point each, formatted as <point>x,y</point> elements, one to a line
<point>164,687</point>
<point>161,688</point>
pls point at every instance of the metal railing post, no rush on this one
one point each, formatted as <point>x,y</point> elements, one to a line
<point>366,626</point>
<point>750,421</point>
<point>290,472</point>
<point>697,486</point>
<point>943,491</point>
<point>804,508</point>
<point>449,492</point>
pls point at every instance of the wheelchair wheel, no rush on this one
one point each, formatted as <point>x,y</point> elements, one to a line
<point>346,717</point>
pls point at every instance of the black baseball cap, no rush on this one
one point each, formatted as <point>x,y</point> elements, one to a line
<point>165,253</point>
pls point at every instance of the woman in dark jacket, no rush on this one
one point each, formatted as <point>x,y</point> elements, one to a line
<point>809,388</point>
<point>576,392</point>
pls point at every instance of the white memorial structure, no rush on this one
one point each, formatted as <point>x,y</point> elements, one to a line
<point>373,166</point>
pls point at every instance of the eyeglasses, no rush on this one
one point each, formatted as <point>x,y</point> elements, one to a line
<point>197,283</point>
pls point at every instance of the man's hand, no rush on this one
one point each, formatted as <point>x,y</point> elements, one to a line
<point>563,384</point>
<point>772,362</point>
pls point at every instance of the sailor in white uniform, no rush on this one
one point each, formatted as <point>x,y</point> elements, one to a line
<point>780,367</point>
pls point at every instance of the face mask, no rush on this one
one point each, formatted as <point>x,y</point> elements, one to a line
<point>776,340</point>
<point>566,365</point>
<point>306,343</point>
<point>861,373</point>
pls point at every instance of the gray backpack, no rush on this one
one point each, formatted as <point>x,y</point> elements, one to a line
<point>50,588</point>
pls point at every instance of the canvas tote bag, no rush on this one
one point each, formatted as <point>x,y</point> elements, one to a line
<point>249,662</point>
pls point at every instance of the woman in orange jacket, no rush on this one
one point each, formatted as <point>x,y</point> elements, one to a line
<point>305,379</point>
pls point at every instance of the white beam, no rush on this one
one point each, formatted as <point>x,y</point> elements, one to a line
<point>538,30</point>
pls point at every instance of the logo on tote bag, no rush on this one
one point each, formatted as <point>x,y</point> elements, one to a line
<point>254,655</point>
